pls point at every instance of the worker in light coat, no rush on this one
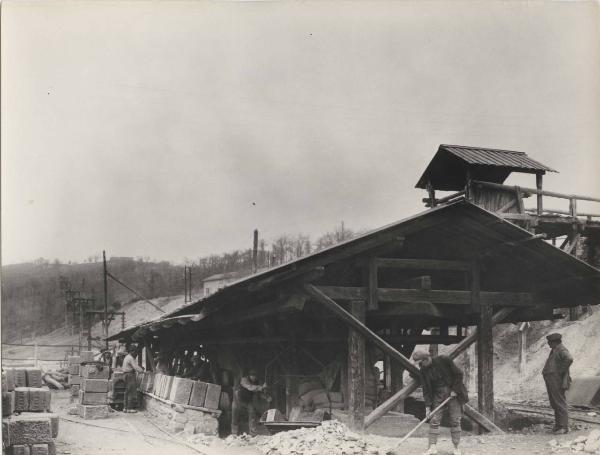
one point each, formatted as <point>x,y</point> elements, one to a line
<point>558,380</point>
<point>130,368</point>
<point>441,379</point>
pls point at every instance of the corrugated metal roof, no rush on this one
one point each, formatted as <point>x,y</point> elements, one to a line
<point>447,171</point>
<point>495,157</point>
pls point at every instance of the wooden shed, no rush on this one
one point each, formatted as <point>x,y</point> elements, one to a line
<point>422,280</point>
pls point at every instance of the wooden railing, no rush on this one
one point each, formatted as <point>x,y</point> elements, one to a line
<point>539,210</point>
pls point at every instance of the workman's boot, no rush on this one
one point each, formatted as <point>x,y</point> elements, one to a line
<point>432,450</point>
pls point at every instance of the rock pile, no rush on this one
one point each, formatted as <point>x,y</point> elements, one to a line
<point>584,444</point>
<point>330,438</point>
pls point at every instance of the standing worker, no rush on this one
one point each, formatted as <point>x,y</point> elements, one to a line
<point>244,398</point>
<point>130,368</point>
<point>441,378</point>
<point>557,379</point>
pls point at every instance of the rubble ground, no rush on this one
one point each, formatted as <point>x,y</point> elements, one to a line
<point>128,434</point>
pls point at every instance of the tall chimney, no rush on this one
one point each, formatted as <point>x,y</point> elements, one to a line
<point>255,252</point>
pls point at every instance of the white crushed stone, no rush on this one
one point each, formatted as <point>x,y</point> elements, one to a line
<point>589,444</point>
<point>330,438</point>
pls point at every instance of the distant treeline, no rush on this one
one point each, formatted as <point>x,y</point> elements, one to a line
<point>33,293</point>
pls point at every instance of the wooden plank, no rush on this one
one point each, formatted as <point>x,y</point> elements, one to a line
<point>412,384</point>
<point>485,349</point>
<point>435,296</point>
<point>482,420</point>
<point>516,216</point>
<point>506,206</point>
<point>371,336</point>
<point>356,370</point>
<point>373,301</point>
<point>423,264</point>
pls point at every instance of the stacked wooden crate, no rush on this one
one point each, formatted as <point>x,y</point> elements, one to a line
<point>93,393</point>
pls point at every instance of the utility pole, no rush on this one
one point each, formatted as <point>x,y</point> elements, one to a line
<point>255,252</point>
<point>105,298</point>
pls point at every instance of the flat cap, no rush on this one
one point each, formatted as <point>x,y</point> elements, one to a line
<point>420,355</point>
<point>554,337</point>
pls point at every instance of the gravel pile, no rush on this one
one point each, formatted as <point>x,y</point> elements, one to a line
<point>584,444</point>
<point>331,438</point>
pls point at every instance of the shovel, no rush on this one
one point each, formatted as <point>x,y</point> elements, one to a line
<point>426,419</point>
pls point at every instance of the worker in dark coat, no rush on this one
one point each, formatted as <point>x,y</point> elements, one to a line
<point>441,379</point>
<point>198,370</point>
<point>244,398</point>
<point>557,378</point>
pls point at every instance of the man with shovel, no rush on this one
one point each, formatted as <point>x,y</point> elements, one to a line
<point>442,379</point>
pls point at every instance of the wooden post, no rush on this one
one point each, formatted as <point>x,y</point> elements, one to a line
<point>523,349</point>
<point>35,355</point>
<point>413,384</point>
<point>485,348</point>
<point>538,185</point>
<point>373,284</point>
<point>431,192</point>
<point>105,297</point>
<point>397,383</point>
<point>433,348</point>
<point>356,370</point>
<point>255,252</point>
<point>149,357</point>
<point>468,186</point>
<point>573,207</point>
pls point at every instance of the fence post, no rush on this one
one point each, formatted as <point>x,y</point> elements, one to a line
<point>35,355</point>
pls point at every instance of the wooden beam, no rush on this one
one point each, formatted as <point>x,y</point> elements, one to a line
<point>423,264</point>
<point>482,420</point>
<point>294,303</point>
<point>506,206</point>
<point>413,385</point>
<point>394,340</point>
<point>373,300</point>
<point>538,185</point>
<point>351,321</point>
<point>304,273</point>
<point>356,370</point>
<point>435,296</point>
<point>485,349</point>
<point>418,282</point>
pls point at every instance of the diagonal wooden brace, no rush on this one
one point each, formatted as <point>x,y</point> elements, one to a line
<point>369,335</point>
<point>413,384</point>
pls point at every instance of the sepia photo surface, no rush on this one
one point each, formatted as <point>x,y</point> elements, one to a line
<point>318,227</point>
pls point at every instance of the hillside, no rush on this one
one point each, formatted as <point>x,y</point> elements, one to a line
<point>33,294</point>
<point>580,337</point>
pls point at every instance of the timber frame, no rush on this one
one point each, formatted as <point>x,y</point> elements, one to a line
<point>421,281</point>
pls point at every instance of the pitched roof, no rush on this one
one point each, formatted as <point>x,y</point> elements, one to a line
<point>447,169</point>
<point>461,229</point>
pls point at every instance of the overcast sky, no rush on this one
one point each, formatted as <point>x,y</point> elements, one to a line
<point>173,129</point>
